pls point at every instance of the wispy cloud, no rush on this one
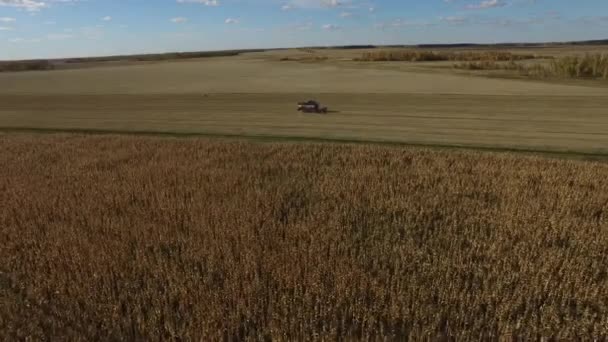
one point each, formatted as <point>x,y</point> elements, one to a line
<point>202,2</point>
<point>316,3</point>
<point>231,21</point>
<point>330,27</point>
<point>106,18</point>
<point>455,20</point>
<point>33,5</point>
<point>487,4</point>
<point>179,20</point>
<point>23,40</point>
<point>28,5</point>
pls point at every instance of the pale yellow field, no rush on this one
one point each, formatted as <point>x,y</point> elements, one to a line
<point>255,94</point>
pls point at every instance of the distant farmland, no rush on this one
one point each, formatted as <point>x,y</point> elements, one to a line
<point>255,94</point>
<point>291,237</point>
<point>109,237</point>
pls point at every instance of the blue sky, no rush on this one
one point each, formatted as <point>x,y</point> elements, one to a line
<point>62,28</point>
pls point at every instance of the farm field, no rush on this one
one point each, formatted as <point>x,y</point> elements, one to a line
<point>146,238</point>
<point>254,94</point>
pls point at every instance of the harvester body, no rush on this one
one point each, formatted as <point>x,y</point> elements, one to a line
<point>311,107</point>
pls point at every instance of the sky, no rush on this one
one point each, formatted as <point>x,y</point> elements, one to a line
<point>70,28</point>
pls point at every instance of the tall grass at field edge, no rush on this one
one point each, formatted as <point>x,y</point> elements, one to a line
<point>590,66</point>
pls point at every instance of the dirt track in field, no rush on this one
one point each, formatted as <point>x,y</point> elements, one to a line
<point>257,97</point>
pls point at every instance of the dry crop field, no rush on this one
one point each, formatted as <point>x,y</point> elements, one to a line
<point>147,238</point>
<point>254,94</point>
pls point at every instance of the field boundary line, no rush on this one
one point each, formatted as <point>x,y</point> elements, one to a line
<point>597,156</point>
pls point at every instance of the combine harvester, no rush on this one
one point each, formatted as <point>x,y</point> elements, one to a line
<point>311,106</point>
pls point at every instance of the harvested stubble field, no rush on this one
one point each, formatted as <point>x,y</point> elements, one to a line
<point>143,238</point>
<point>256,94</point>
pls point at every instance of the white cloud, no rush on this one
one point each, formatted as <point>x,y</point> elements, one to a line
<point>231,21</point>
<point>179,20</point>
<point>346,14</point>
<point>204,2</point>
<point>487,4</point>
<point>6,20</point>
<point>32,5</point>
<point>28,5</point>
<point>330,27</point>
<point>106,18</point>
<point>454,20</point>
<point>317,3</point>
<point>332,3</point>
<point>22,40</point>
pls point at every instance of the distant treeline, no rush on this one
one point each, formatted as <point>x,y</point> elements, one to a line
<point>347,47</point>
<point>33,65</point>
<point>430,56</point>
<point>588,42</point>
<point>43,64</point>
<point>50,64</point>
<point>472,45</point>
<point>513,45</point>
<point>160,56</point>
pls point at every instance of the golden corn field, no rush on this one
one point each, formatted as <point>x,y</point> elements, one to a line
<point>146,238</point>
<point>588,66</point>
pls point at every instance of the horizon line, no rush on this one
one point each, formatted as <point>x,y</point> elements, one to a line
<point>346,46</point>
